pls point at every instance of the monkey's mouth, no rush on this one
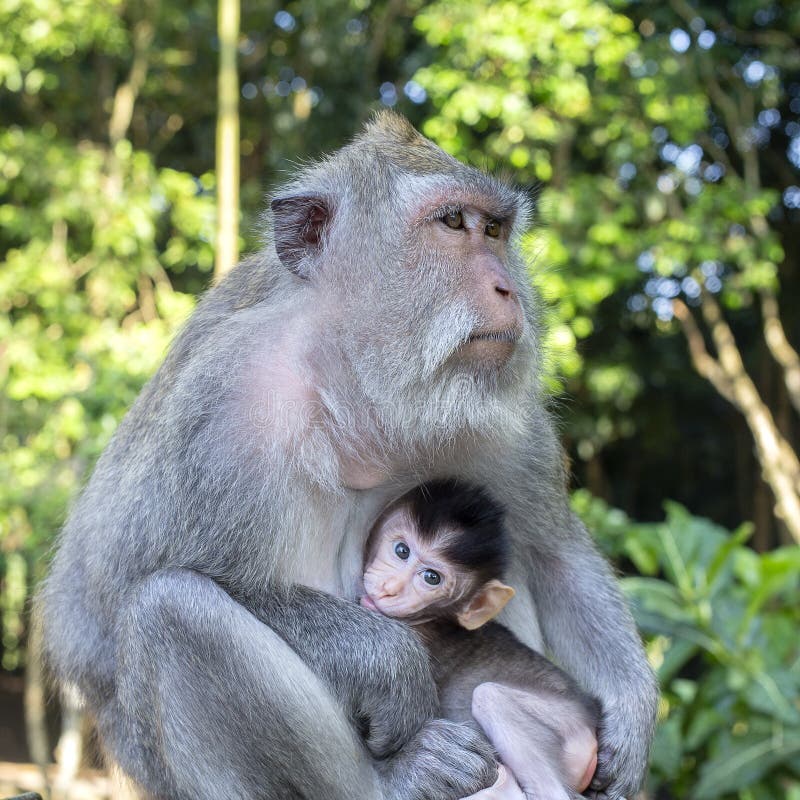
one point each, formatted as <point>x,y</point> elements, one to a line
<point>367,602</point>
<point>490,347</point>
<point>509,335</point>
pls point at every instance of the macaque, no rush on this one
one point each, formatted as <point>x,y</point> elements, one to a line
<point>201,598</point>
<point>435,559</point>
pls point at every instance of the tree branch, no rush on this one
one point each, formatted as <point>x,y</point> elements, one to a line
<point>779,347</point>
<point>126,94</point>
<point>729,357</point>
<point>778,460</point>
<point>705,365</point>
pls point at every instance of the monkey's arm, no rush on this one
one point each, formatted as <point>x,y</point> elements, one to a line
<point>589,629</point>
<point>381,674</point>
<point>350,649</point>
<point>225,707</point>
<point>583,617</point>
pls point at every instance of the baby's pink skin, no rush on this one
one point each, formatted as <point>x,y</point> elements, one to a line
<point>367,602</point>
<point>591,768</point>
<point>395,586</point>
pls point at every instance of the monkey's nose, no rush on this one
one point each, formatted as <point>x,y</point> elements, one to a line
<point>390,587</point>
<point>505,289</point>
<point>500,277</point>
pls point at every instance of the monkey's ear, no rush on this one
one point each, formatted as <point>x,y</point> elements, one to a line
<point>490,600</point>
<point>299,224</point>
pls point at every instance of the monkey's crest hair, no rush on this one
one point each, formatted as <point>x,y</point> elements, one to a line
<point>476,537</point>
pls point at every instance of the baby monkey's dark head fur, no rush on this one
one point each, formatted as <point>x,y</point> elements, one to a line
<point>476,538</point>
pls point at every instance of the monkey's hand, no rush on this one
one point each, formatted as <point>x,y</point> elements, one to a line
<point>504,788</point>
<point>621,755</point>
<point>443,761</point>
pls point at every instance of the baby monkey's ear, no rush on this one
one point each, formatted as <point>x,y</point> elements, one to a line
<point>489,601</point>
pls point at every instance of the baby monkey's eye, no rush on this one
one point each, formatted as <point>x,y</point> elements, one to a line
<point>492,228</point>
<point>453,219</point>
<point>402,550</point>
<point>432,577</point>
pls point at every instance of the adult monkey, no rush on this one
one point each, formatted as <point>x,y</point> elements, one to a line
<point>385,335</point>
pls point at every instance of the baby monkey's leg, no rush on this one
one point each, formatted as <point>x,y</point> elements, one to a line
<point>543,738</point>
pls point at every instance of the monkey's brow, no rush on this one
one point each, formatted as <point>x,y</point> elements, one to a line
<point>431,196</point>
<point>488,207</point>
<point>438,563</point>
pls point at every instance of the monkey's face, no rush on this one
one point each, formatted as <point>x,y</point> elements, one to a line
<point>405,577</point>
<point>413,266</point>
<point>462,248</point>
<point>440,326</point>
<point>446,297</point>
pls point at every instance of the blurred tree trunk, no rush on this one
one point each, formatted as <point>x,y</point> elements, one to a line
<point>127,93</point>
<point>69,750</point>
<point>726,372</point>
<point>35,705</point>
<point>227,139</point>
<point>782,351</point>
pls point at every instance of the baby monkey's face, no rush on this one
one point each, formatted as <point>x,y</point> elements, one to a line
<point>404,575</point>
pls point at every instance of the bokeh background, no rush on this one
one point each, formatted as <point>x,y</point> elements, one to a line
<point>661,141</point>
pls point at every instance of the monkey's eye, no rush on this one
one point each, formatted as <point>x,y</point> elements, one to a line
<point>453,219</point>
<point>402,550</point>
<point>492,228</point>
<point>431,577</point>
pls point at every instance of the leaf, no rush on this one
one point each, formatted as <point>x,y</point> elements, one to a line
<point>743,764</point>
<point>667,747</point>
<point>775,693</point>
<point>727,549</point>
<point>676,657</point>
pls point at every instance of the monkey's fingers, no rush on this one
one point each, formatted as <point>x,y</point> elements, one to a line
<point>613,779</point>
<point>444,761</point>
<point>602,774</point>
<point>505,788</point>
<point>621,754</point>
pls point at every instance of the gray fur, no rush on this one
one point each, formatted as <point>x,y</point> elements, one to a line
<point>462,660</point>
<point>228,478</point>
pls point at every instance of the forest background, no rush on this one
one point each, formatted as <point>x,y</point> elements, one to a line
<point>661,142</point>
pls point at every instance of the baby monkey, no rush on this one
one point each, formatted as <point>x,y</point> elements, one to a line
<point>434,559</point>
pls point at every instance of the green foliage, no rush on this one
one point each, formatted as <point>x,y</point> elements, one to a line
<point>86,304</point>
<point>721,625</point>
<point>87,312</point>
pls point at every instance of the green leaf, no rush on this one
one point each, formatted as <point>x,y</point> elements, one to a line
<point>744,763</point>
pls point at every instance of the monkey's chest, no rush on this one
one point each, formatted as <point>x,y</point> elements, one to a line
<point>336,533</point>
